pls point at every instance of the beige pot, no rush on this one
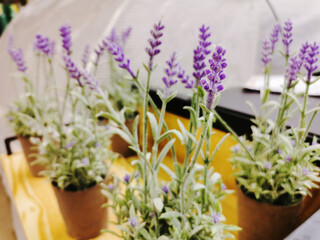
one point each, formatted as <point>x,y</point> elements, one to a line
<point>28,149</point>
<point>262,221</point>
<point>82,211</point>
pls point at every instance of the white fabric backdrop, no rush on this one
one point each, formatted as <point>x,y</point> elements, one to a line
<point>238,25</point>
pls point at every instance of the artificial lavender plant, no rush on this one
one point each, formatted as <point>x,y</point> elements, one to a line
<point>278,165</point>
<point>187,207</point>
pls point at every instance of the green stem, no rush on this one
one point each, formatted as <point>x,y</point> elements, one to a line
<point>303,117</point>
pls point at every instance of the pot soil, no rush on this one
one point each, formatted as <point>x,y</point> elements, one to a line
<point>28,149</point>
<point>265,221</point>
<point>82,211</point>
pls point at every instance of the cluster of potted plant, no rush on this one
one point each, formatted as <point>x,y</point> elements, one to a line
<point>274,169</point>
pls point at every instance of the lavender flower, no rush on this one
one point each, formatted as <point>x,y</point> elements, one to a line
<point>165,189</point>
<point>98,145</point>
<point>65,33</point>
<point>216,217</point>
<point>215,75</point>
<point>70,145</point>
<point>200,53</point>
<point>114,36</point>
<point>72,69</point>
<point>189,83</point>
<point>85,161</point>
<point>223,187</point>
<point>85,56</point>
<point>92,83</point>
<point>99,51</point>
<point>287,36</point>
<point>266,52</point>
<point>274,37</point>
<point>310,59</point>
<point>127,178</point>
<point>279,151</point>
<point>268,165</point>
<point>293,70</point>
<point>171,73</point>
<point>288,159</point>
<point>154,43</point>
<point>125,35</point>
<point>136,174</point>
<point>305,171</point>
<point>17,56</point>
<point>110,187</point>
<point>42,44</point>
<point>133,221</point>
<point>118,54</point>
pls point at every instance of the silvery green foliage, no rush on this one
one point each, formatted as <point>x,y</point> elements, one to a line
<point>186,207</point>
<point>278,166</point>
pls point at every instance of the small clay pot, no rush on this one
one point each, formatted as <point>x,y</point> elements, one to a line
<point>310,204</point>
<point>119,145</point>
<point>262,221</point>
<point>28,149</point>
<point>82,211</point>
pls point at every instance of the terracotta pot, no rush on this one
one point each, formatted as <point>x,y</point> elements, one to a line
<point>310,204</point>
<point>82,211</point>
<point>262,221</point>
<point>30,148</point>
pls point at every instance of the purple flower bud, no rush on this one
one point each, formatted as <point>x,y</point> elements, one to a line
<point>214,75</point>
<point>287,36</point>
<point>288,159</point>
<point>154,43</point>
<point>65,33</point>
<point>216,217</point>
<point>72,69</point>
<point>125,35</point>
<point>70,145</point>
<point>110,187</point>
<point>85,56</point>
<point>305,171</point>
<point>152,214</point>
<point>91,82</point>
<point>17,56</point>
<point>310,60</point>
<point>165,189</point>
<point>85,161</point>
<point>133,221</point>
<point>268,165</point>
<point>293,70</point>
<point>189,83</point>
<point>279,151</point>
<point>171,73</point>
<point>274,37</point>
<point>223,187</point>
<point>266,52</point>
<point>42,44</point>
<point>127,178</point>
<point>98,145</point>
<point>200,53</point>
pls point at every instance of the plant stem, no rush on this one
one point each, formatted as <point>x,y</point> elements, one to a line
<point>303,117</point>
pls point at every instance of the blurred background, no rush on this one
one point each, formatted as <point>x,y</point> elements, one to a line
<point>237,25</point>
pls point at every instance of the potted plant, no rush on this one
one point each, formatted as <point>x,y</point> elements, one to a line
<point>28,114</point>
<point>275,169</point>
<point>188,207</point>
<point>75,151</point>
<point>123,92</point>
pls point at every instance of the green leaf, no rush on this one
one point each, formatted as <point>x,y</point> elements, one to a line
<point>168,133</point>
<point>158,204</point>
<point>196,229</point>
<point>164,152</point>
<point>154,124</point>
<point>168,171</point>
<point>169,215</point>
<point>109,116</point>
<point>218,147</point>
<point>145,234</point>
<point>198,186</point>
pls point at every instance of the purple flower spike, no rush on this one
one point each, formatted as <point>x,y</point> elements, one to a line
<point>200,53</point>
<point>154,43</point>
<point>72,69</point>
<point>189,83</point>
<point>93,84</point>
<point>288,159</point>
<point>69,145</point>
<point>310,60</point>
<point>125,35</point>
<point>127,178</point>
<point>274,37</point>
<point>287,36</point>
<point>216,217</point>
<point>133,221</point>
<point>165,189</point>
<point>118,54</point>
<point>171,73</point>
<point>293,70</point>
<point>215,75</point>
<point>85,56</point>
<point>42,44</point>
<point>266,52</point>
<point>17,56</point>
<point>65,33</point>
